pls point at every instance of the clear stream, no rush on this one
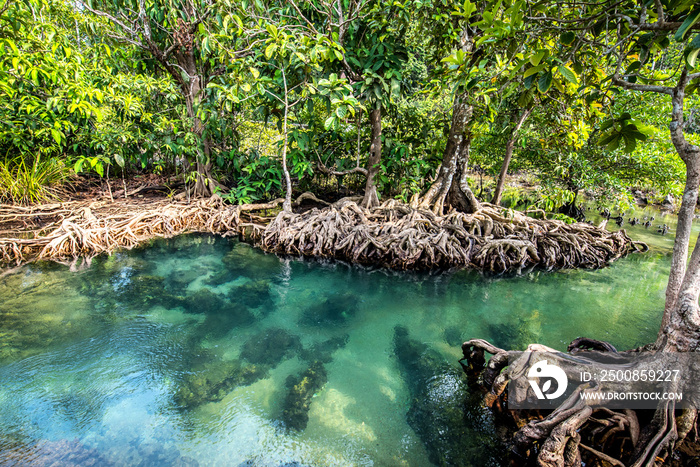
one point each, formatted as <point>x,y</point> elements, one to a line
<point>203,351</point>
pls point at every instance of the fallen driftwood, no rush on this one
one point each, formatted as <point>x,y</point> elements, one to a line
<point>400,237</point>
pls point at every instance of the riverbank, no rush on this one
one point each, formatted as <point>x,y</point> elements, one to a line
<point>393,235</point>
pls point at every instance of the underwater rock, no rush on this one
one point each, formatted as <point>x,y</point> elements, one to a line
<point>270,347</point>
<point>323,351</point>
<point>252,463</point>
<point>453,336</point>
<point>203,301</point>
<point>252,294</point>
<point>221,315</point>
<point>180,279</point>
<point>516,334</point>
<point>438,412</point>
<point>149,453</point>
<point>244,260</point>
<point>212,379</point>
<point>334,309</point>
<point>221,276</point>
<point>147,290</point>
<point>62,453</point>
<point>301,389</point>
<point>220,323</point>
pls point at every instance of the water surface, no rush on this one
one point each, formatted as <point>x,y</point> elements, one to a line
<point>204,351</point>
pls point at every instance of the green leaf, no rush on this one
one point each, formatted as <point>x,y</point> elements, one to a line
<point>691,52</point>
<point>614,143</point>
<point>535,59</point>
<point>119,159</point>
<point>545,82</point>
<point>330,122</point>
<point>270,50</point>
<point>559,86</point>
<point>533,70</point>
<point>527,82</point>
<point>634,66</point>
<point>568,38</point>
<point>56,135</point>
<point>568,74</point>
<point>690,20</point>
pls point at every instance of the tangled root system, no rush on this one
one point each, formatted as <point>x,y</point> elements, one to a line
<point>70,230</point>
<point>400,237</point>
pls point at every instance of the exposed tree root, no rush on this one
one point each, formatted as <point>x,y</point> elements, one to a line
<point>69,230</point>
<point>392,234</point>
<point>579,432</point>
<point>400,237</point>
<point>65,231</point>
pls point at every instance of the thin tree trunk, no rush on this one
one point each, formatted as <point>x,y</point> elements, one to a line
<point>371,198</point>
<point>509,155</point>
<point>193,89</point>
<point>452,175</point>
<point>287,205</point>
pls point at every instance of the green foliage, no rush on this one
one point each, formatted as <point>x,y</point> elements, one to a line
<point>26,183</point>
<point>257,177</point>
<point>181,85</point>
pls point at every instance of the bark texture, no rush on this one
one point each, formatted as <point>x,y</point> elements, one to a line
<point>450,187</point>
<point>371,198</point>
<point>509,155</point>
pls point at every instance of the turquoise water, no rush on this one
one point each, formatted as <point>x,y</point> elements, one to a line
<point>204,351</point>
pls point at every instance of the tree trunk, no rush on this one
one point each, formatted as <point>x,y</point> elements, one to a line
<point>371,198</point>
<point>509,155</point>
<point>287,205</point>
<point>192,89</point>
<point>680,325</point>
<point>451,183</point>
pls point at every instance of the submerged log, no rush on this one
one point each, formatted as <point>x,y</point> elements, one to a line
<point>397,236</point>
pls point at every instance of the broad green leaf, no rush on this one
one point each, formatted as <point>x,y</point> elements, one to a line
<point>545,82</point>
<point>692,51</point>
<point>568,38</point>
<point>634,66</point>
<point>535,59</point>
<point>690,20</point>
<point>330,122</point>
<point>119,159</point>
<point>559,86</point>
<point>614,143</point>
<point>533,70</point>
<point>56,135</point>
<point>568,74</point>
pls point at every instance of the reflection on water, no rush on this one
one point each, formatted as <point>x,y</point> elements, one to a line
<point>203,351</point>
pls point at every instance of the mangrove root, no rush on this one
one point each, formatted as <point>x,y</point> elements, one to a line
<point>580,431</point>
<point>400,237</point>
